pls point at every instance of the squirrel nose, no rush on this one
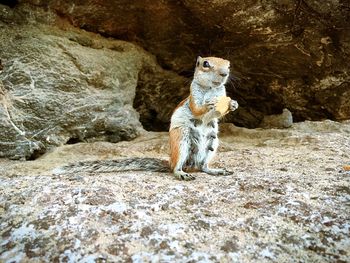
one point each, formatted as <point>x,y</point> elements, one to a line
<point>223,74</point>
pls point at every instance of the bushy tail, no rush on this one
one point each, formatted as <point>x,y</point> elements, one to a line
<point>117,165</point>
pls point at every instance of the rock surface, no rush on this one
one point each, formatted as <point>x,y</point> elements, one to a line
<point>288,198</point>
<point>280,205</point>
<point>284,120</point>
<point>66,85</point>
<point>287,54</point>
<point>60,84</point>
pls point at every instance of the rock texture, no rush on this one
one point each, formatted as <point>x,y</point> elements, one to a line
<point>280,205</point>
<point>284,120</point>
<point>60,84</point>
<point>287,54</point>
<point>65,85</point>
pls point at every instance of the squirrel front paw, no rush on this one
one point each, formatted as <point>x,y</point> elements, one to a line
<point>233,105</point>
<point>211,103</point>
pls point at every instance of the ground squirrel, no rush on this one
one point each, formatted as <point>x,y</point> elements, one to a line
<point>193,129</point>
<point>194,123</point>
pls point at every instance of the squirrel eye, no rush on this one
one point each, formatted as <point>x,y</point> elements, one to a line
<point>206,64</point>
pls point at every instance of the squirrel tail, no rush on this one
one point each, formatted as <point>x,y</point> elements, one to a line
<point>117,165</point>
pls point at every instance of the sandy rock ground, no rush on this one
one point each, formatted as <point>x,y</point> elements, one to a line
<point>288,200</point>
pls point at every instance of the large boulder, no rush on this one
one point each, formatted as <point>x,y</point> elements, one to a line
<point>66,86</point>
<point>287,54</point>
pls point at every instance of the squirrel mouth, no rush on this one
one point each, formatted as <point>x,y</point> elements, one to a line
<point>216,83</point>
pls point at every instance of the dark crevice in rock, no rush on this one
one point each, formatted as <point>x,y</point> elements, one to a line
<point>157,94</point>
<point>74,140</point>
<point>117,136</point>
<point>9,3</point>
<point>152,123</point>
<point>36,154</point>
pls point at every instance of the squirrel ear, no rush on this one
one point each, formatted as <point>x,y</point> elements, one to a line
<point>199,58</point>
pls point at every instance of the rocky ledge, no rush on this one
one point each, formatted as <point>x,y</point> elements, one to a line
<point>287,201</point>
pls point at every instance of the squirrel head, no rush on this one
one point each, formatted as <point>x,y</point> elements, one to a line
<point>211,71</point>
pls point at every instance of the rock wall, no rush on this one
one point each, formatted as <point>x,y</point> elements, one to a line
<point>286,54</point>
<point>61,86</point>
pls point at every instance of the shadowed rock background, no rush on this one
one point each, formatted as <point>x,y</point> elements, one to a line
<point>83,80</point>
<point>93,70</point>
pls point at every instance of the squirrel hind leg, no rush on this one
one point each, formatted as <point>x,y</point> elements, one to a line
<point>179,153</point>
<point>212,146</point>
